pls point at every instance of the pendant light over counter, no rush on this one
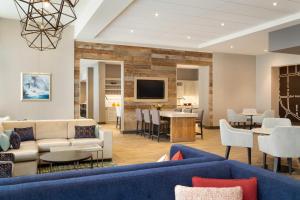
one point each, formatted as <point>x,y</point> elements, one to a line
<point>43,21</point>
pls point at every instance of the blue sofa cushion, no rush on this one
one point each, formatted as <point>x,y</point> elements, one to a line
<point>271,186</point>
<point>198,157</point>
<point>189,152</point>
<point>153,184</point>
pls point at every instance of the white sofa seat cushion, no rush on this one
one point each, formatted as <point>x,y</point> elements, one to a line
<point>45,144</point>
<point>86,141</point>
<point>28,152</point>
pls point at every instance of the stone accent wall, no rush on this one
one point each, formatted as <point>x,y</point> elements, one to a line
<point>141,62</point>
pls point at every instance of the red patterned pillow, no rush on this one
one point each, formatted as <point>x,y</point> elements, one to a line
<point>249,186</point>
<point>177,156</point>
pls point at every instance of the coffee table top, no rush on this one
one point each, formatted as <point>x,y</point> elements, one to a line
<point>65,156</point>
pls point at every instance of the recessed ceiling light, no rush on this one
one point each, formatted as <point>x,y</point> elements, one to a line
<point>131,31</point>
<point>222,24</point>
<point>231,46</point>
<point>275,3</point>
<point>266,50</point>
<point>156,14</point>
<point>188,37</point>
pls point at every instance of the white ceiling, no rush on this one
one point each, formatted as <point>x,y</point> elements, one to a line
<point>199,19</point>
<point>181,24</point>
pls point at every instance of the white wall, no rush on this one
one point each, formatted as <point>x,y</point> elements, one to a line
<point>16,57</point>
<point>264,63</point>
<point>203,91</point>
<point>233,83</point>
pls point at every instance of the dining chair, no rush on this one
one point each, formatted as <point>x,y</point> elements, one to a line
<point>233,137</point>
<point>199,122</point>
<point>283,142</point>
<point>147,123</point>
<point>259,118</point>
<point>235,119</point>
<point>139,121</point>
<point>159,127</point>
<point>274,122</point>
<point>118,113</point>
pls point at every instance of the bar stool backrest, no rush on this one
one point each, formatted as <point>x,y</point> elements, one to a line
<point>178,109</point>
<point>139,115</point>
<point>188,110</point>
<point>118,111</point>
<point>200,115</point>
<point>146,114</point>
<point>155,116</point>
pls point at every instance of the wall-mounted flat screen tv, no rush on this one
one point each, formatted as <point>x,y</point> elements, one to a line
<point>150,89</point>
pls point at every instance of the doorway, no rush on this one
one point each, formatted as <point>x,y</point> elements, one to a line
<point>102,91</point>
<point>193,89</point>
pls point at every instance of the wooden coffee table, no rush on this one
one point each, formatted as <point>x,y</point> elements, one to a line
<point>66,157</point>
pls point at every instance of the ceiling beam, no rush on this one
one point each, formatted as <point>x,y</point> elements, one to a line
<point>262,27</point>
<point>97,15</point>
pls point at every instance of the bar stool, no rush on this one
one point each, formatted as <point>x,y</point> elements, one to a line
<point>139,121</point>
<point>162,126</point>
<point>199,122</point>
<point>147,123</point>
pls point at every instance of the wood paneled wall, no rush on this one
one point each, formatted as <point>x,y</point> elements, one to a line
<point>141,62</point>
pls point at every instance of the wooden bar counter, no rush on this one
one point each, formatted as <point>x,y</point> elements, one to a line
<point>182,125</point>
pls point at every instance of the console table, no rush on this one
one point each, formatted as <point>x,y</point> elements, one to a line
<point>182,125</point>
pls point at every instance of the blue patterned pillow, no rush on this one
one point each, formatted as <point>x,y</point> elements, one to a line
<point>85,132</point>
<point>26,134</point>
<point>15,140</point>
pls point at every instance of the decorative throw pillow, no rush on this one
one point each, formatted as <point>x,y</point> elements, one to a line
<point>163,158</point>
<point>4,142</point>
<point>15,140</point>
<point>249,186</point>
<point>177,156</point>
<point>192,193</point>
<point>97,129</point>
<point>26,134</point>
<point>6,169</point>
<point>85,132</point>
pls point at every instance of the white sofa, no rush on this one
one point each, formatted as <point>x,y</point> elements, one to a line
<point>52,133</point>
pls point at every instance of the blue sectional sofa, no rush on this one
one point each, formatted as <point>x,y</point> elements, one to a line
<point>148,181</point>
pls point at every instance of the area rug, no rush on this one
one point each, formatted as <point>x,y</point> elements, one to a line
<point>43,169</point>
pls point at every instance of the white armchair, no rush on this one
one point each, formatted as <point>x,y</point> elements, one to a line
<point>283,142</point>
<point>235,137</point>
<point>274,122</point>
<point>235,118</point>
<point>259,118</point>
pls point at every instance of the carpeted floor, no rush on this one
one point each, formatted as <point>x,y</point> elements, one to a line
<point>43,169</point>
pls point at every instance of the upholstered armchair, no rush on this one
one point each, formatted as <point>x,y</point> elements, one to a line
<point>274,122</point>
<point>6,165</point>
<point>283,142</point>
<point>259,118</point>
<point>233,137</point>
<point>234,118</point>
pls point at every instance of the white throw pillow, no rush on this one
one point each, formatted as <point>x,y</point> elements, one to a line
<point>208,193</point>
<point>163,158</point>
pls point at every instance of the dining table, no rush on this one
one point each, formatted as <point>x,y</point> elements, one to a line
<point>262,131</point>
<point>250,114</point>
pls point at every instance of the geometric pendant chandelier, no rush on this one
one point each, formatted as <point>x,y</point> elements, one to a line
<point>43,21</point>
